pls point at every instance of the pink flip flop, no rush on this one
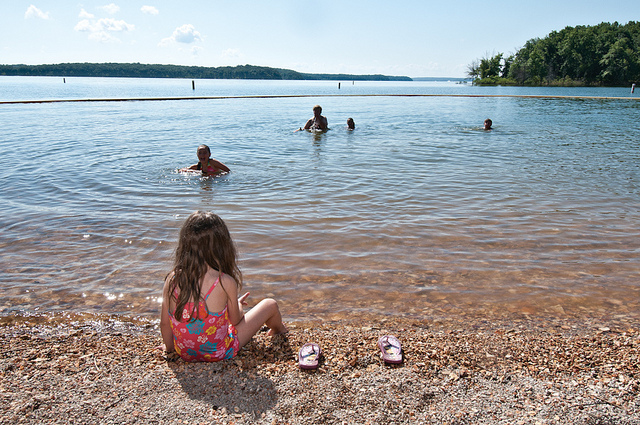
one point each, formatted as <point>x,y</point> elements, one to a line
<point>391,349</point>
<point>309,355</point>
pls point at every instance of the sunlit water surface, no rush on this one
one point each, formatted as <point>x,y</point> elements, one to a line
<point>417,213</point>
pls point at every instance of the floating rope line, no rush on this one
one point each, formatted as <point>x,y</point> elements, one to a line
<point>158,99</point>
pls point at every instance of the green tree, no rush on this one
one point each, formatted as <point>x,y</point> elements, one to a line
<point>506,66</point>
<point>490,67</point>
<point>473,70</point>
<point>603,54</point>
<point>619,64</point>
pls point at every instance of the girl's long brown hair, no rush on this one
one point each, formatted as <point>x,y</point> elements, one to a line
<point>204,241</point>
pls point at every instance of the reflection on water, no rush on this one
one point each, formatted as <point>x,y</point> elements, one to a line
<point>417,213</point>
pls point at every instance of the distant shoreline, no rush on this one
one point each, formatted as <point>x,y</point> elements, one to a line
<point>443,79</point>
<point>138,70</point>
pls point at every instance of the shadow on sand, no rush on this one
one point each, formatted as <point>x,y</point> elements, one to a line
<point>235,384</point>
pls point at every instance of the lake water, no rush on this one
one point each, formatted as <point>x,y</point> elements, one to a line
<point>417,213</point>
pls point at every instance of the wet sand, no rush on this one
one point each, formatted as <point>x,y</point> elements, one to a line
<point>516,370</point>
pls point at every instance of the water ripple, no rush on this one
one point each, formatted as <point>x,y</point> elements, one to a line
<point>418,200</point>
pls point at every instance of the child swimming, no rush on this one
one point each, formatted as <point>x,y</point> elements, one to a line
<point>351,125</point>
<point>202,317</point>
<point>208,166</point>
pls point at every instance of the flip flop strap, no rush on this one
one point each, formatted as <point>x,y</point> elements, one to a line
<point>388,344</point>
<point>313,351</point>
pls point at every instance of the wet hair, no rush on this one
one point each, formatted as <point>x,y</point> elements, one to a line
<point>351,123</point>
<point>488,121</point>
<point>317,108</point>
<point>204,147</point>
<point>204,241</point>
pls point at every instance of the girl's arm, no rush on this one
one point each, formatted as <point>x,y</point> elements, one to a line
<point>219,165</point>
<point>165,321</point>
<point>189,168</point>
<point>234,305</point>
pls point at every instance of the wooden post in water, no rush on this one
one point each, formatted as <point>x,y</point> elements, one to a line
<point>193,84</point>
<point>338,86</point>
<point>64,81</point>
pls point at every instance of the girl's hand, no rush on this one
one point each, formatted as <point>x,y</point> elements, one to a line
<point>163,348</point>
<point>242,300</point>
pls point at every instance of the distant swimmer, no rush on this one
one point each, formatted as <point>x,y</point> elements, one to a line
<point>351,125</point>
<point>208,166</point>
<point>318,122</point>
<point>487,124</point>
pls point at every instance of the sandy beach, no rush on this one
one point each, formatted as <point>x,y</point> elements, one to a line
<point>518,370</point>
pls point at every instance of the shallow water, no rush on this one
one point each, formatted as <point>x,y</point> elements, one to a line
<point>417,212</point>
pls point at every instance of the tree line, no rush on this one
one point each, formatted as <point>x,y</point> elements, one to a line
<point>602,55</point>
<point>138,70</point>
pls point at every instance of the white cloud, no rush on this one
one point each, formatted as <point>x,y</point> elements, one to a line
<point>103,37</point>
<point>149,10</point>
<point>185,34</point>
<point>85,15</point>
<point>34,12</point>
<point>84,25</point>
<point>111,9</point>
<point>102,29</point>
<point>231,53</point>
<point>104,24</point>
<point>113,25</point>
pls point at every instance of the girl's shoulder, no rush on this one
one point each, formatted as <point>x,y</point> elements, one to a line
<point>226,279</point>
<point>168,280</point>
<point>228,283</point>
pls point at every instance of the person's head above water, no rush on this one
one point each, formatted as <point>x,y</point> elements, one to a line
<point>487,124</point>
<point>318,122</point>
<point>203,153</point>
<point>351,124</point>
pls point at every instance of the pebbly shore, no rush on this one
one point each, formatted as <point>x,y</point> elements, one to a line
<point>517,371</point>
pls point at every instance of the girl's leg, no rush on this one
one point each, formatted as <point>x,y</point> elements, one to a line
<point>266,312</point>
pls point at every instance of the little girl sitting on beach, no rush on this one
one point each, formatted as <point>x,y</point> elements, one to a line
<point>202,317</point>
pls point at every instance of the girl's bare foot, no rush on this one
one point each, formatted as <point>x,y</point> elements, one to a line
<point>284,330</point>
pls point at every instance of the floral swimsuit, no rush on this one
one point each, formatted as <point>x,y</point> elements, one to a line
<point>210,338</point>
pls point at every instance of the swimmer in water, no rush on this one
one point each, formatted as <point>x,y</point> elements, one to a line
<point>318,122</point>
<point>208,166</point>
<point>351,125</point>
<point>487,124</point>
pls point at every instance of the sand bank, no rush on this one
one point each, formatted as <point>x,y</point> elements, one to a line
<point>518,371</point>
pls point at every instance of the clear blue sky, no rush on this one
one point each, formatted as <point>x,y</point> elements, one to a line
<point>418,38</point>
